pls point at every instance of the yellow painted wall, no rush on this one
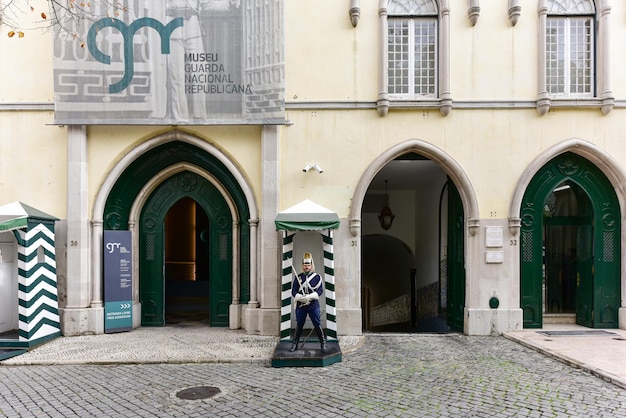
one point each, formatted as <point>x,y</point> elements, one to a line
<point>494,147</point>
<point>33,161</point>
<point>326,56</point>
<point>329,60</point>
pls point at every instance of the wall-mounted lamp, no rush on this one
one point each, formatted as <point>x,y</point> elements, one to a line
<point>386,215</point>
<point>314,167</point>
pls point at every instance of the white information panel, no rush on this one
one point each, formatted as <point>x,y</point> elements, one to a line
<point>494,236</point>
<point>494,257</point>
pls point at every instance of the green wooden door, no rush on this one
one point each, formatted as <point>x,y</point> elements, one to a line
<point>456,259</point>
<point>606,259</point>
<point>152,271</point>
<point>584,275</point>
<point>532,274</point>
<point>151,247</point>
<point>597,238</point>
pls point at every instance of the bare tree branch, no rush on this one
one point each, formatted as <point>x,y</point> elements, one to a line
<point>64,15</point>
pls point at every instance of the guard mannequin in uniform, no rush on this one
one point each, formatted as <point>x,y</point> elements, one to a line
<point>306,289</point>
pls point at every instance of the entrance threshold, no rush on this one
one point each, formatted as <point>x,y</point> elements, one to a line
<point>577,333</point>
<point>565,318</point>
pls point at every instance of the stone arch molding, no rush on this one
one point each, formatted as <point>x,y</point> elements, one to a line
<point>605,163</point>
<point>447,164</point>
<point>593,153</point>
<point>170,136</point>
<point>144,194</point>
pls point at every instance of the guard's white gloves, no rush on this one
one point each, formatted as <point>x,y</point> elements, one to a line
<point>303,299</point>
<point>313,296</point>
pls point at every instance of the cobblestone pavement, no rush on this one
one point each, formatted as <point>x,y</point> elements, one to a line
<point>390,375</point>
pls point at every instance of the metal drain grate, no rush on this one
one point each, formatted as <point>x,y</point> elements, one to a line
<point>198,392</point>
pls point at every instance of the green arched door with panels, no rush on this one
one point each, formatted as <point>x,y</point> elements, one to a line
<point>218,237</point>
<point>185,185</point>
<point>570,245</point>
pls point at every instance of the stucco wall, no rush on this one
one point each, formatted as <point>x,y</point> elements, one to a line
<point>493,133</point>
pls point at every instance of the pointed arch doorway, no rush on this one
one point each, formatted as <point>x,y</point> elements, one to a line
<point>418,263</point>
<point>570,245</point>
<point>467,205</point>
<point>185,231</point>
<point>177,167</point>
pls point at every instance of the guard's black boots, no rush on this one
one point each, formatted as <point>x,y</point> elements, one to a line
<point>294,342</point>
<point>322,338</point>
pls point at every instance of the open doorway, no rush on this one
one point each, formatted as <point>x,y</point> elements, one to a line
<point>570,246</point>
<point>192,278</point>
<point>187,258</point>
<point>568,233</point>
<point>407,285</point>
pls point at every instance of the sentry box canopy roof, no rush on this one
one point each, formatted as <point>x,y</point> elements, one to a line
<point>306,216</point>
<point>16,216</point>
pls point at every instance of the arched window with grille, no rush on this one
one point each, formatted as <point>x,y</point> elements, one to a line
<point>414,55</point>
<point>573,54</point>
<point>412,48</point>
<point>570,48</point>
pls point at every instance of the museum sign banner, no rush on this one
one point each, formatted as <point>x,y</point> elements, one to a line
<point>171,62</point>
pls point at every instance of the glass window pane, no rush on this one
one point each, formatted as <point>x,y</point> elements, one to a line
<point>398,47</point>
<point>569,55</point>
<point>425,57</point>
<point>412,56</point>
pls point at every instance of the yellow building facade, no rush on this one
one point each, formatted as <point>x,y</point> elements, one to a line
<point>496,144</point>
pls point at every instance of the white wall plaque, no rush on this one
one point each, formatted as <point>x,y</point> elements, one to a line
<point>494,236</point>
<point>494,257</point>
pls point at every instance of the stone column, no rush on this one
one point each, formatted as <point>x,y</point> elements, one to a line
<point>270,249</point>
<point>78,316</point>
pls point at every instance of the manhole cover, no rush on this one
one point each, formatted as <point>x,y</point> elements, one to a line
<point>198,392</point>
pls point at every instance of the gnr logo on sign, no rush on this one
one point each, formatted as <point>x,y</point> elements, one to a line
<point>128,33</point>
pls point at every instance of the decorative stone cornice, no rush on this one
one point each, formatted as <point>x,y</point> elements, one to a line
<point>515,225</point>
<point>355,12</point>
<point>608,102</point>
<point>514,11</point>
<point>543,103</point>
<point>355,226</point>
<point>473,11</point>
<point>446,104</point>
<point>382,104</point>
<point>473,224</point>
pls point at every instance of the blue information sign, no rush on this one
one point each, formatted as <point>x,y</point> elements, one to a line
<point>118,289</point>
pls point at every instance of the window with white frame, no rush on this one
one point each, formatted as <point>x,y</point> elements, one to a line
<point>412,48</point>
<point>570,43</point>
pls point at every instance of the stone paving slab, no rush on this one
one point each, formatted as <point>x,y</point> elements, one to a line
<point>401,375</point>
<point>192,344</point>
<point>600,352</point>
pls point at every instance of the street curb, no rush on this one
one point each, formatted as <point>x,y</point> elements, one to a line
<point>137,362</point>
<point>568,360</point>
